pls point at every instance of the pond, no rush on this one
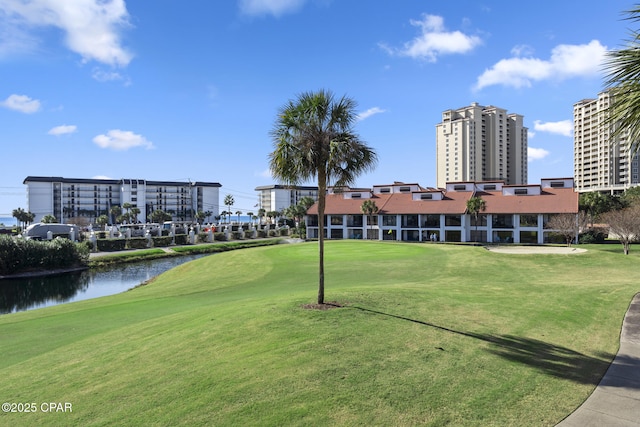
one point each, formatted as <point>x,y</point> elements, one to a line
<point>38,292</point>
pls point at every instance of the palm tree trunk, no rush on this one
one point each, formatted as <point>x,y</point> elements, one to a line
<point>322,189</point>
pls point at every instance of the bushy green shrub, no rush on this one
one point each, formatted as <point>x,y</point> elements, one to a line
<point>181,239</point>
<point>159,242</point>
<point>262,234</point>
<point>237,235</point>
<point>20,254</point>
<point>248,234</point>
<point>219,236</point>
<point>593,235</point>
<point>203,237</point>
<point>273,233</point>
<point>137,243</point>
<point>110,245</point>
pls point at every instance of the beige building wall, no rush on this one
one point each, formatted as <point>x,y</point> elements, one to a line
<point>600,163</point>
<point>477,143</point>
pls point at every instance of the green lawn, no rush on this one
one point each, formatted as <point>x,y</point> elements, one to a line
<point>430,335</point>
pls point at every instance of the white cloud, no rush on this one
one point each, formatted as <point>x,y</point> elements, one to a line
<point>536,154</point>
<point>563,127</point>
<point>270,7</point>
<point>63,130</point>
<point>109,76</point>
<point>434,40</point>
<point>21,103</point>
<point>370,112</point>
<point>92,28</point>
<point>121,140</point>
<point>566,61</point>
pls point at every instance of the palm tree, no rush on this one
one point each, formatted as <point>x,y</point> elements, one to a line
<point>116,212</point>
<point>261,214</point>
<point>49,219</point>
<point>369,208</point>
<point>313,137</point>
<point>475,205</point>
<point>238,213</point>
<point>623,78</point>
<point>229,201</point>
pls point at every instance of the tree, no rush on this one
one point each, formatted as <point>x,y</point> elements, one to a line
<point>160,216</point>
<point>126,217</point>
<point>49,219</point>
<point>624,224</point>
<point>567,225</point>
<point>261,214</point>
<point>623,79</point>
<point>251,216</point>
<point>369,208</point>
<point>19,215</point>
<point>595,203</point>
<point>133,216</point>
<point>475,205</point>
<point>229,201</point>
<point>200,216</point>
<point>631,196</point>
<point>102,220</point>
<point>313,137</point>
<point>116,212</point>
<point>238,213</point>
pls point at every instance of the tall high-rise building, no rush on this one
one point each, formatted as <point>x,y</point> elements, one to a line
<point>478,143</point>
<point>600,162</point>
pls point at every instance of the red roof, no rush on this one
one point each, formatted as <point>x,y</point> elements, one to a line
<point>550,201</point>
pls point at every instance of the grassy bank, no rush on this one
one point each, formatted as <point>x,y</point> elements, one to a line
<point>155,253</point>
<point>429,335</point>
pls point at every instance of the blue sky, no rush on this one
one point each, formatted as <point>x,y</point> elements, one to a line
<point>189,90</point>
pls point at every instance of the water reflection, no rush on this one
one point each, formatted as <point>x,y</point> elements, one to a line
<point>37,292</point>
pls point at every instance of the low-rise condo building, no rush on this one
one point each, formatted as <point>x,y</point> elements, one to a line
<point>409,212</point>
<point>66,198</point>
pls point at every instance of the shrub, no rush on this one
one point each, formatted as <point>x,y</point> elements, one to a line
<point>19,254</point>
<point>181,239</point>
<point>273,233</point>
<point>262,234</point>
<point>219,236</point>
<point>593,235</point>
<point>203,237</point>
<point>110,245</point>
<point>248,234</point>
<point>137,243</point>
<point>237,235</point>
<point>159,242</point>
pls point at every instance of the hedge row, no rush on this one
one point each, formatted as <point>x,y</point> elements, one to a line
<point>17,255</point>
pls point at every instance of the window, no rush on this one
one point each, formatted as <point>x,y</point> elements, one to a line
<point>431,221</point>
<point>503,221</point>
<point>410,220</point>
<point>459,187</point>
<point>426,196</point>
<point>452,220</point>
<point>490,187</point>
<point>356,195</point>
<point>336,219</point>
<point>405,189</point>
<point>528,220</point>
<point>388,220</point>
<point>385,190</point>
<point>520,191</point>
<point>557,184</point>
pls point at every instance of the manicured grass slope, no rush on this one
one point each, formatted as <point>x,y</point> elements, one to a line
<point>431,335</point>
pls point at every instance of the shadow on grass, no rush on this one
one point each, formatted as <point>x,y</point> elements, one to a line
<point>554,360</point>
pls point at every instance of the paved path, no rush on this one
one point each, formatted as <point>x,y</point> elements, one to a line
<point>616,400</point>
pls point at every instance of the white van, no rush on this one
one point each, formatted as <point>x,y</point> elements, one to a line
<point>39,231</point>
